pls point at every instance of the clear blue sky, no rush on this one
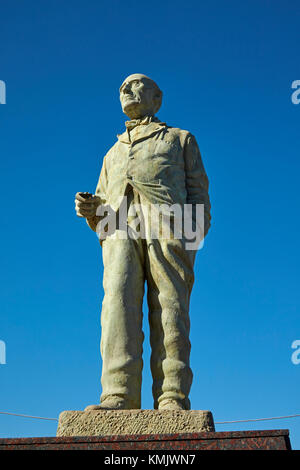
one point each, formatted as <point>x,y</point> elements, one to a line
<point>226,69</point>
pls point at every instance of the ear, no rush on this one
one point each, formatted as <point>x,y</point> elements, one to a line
<point>157,100</point>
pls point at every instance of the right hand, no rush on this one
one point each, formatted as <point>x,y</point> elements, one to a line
<point>86,204</point>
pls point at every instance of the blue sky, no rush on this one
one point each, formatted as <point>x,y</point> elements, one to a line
<point>226,70</point>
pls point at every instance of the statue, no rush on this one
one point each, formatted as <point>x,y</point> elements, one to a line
<point>151,163</point>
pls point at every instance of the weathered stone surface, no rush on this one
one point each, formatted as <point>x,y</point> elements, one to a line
<point>133,422</point>
<point>153,178</point>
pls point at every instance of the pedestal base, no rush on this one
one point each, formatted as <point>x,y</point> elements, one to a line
<point>246,440</point>
<point>133,422</point>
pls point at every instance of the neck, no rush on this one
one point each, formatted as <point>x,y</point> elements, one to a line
<point>141,118</point>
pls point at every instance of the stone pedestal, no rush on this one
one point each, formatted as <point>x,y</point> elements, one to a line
<point>147,430</point>
<point>133,422</point>
<point>237,440</point>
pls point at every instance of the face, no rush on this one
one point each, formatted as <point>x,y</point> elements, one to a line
<point>137,97</point>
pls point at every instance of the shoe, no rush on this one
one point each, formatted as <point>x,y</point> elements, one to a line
<point>170,404</point>
<point>110,403</point>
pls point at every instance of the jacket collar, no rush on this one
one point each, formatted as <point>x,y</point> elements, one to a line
<point>140,122</point>
<point>146,128</point>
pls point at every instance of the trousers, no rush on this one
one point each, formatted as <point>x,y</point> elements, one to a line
<point>167,269</point>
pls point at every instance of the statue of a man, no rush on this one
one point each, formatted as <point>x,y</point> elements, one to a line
<point>151,163</point>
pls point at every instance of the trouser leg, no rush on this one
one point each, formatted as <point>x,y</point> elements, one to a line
<point>170,279</point>
<point>121,320</point>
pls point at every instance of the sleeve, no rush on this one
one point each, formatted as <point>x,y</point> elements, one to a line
<point>196,179</point>
<point>100,192</point>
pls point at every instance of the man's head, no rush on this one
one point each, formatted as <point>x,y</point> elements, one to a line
<point>140,96</point>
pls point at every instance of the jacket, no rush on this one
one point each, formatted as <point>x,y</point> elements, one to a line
<point>162,162</point>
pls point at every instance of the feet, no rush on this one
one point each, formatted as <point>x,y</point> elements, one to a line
<point>110,403</point>
<point>170,405</point>
<point>117,403</point>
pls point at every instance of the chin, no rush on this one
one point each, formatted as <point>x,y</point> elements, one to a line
<point>132,110</point>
